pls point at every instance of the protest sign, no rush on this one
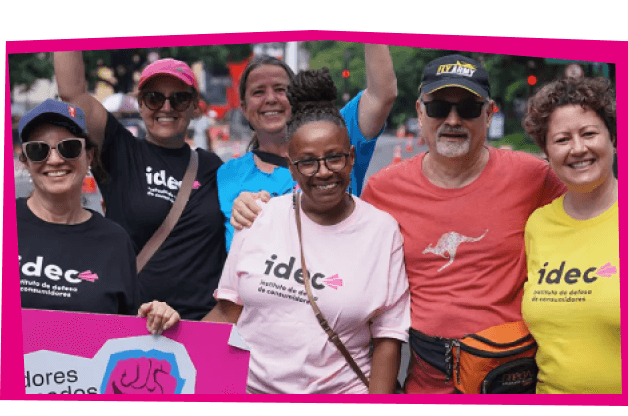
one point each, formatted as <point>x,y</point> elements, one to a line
<point>82,353</point>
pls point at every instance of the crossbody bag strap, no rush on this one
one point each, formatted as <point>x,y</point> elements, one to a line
<point>157,239</point>
<point>333,336</point>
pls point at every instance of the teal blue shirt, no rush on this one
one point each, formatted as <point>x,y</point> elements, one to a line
<point>241,174</point>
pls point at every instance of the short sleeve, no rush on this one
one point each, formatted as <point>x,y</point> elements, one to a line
<point>392,320</point>
<point>552,188</point>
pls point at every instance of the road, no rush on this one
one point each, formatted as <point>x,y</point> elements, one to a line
<point>385,150</point>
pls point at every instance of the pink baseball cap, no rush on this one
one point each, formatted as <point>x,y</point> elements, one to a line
<point>172,67</point>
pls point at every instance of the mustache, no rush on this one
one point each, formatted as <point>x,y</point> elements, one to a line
<point>445,129</point>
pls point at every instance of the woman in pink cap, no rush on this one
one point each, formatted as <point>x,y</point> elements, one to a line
<point>145,176</point>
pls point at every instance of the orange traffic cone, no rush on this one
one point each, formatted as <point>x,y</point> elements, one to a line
<point>397,154</point>
<point>409,145</point>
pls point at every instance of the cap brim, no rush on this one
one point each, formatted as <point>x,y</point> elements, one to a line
<point>454,83</point>
<point>50,118</point>
<point>173,74</point>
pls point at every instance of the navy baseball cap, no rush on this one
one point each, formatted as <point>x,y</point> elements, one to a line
<point>53,112</point>
<point>455,71</point>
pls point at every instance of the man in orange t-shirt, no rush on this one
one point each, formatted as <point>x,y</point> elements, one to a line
<point>462,208</point>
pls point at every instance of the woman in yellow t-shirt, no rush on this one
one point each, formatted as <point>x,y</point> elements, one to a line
<point>571,298</point>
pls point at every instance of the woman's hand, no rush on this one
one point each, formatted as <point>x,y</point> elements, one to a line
<point>245,209</point>
<point>160,316</point>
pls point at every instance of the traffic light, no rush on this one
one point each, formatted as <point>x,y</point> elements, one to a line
<point>532,80</point>
<point>345,73</point>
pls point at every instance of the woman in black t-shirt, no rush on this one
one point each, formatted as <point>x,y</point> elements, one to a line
<point>71,258</point>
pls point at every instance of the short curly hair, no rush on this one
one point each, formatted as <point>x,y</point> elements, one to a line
<point>595,94</point>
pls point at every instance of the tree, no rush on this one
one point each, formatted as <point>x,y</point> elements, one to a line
<point>26,68</point>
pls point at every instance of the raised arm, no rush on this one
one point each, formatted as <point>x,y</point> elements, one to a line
<point>70,76</point>
<point>381,90</point>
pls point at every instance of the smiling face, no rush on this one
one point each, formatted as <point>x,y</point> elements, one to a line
<point>453,136</point>
<point>265,104</point>
<point>325,190</point>
<point>56,176</point>
<point>579,148</point>
<point>166,126</point>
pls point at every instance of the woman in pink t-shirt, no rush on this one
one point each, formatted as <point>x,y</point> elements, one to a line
<point>363,294</point>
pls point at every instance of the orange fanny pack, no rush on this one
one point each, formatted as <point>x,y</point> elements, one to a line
<point>499,359</point>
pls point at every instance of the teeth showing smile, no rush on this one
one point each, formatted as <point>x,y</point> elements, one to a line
<point>271,113</point>
<point>165,119</point>
<point>582,164</point>
<point>326,187</point>
<point>57,173</point>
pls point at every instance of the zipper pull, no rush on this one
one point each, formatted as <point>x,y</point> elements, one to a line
<point>448,358</point>
<point>457,362</point>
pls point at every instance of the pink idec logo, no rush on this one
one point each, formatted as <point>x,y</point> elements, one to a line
<point>607,270</point>
<point>333,281</point>
<point>72,111</point>
<point>196,185</point>
<point>88,275</point>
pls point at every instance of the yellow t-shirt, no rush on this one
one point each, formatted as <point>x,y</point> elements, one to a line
<point>571,300</point>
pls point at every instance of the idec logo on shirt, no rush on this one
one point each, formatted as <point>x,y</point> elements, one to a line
<point>572,275</point>
<point>284,271</point>
<point>54,272</point>
<point>160,179</point>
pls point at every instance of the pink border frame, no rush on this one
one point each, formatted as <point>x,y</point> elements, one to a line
<point>586,50</point>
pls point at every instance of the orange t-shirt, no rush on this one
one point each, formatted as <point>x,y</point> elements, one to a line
<point>464,248</point>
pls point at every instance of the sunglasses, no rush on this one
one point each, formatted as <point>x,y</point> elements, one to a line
<point>68,149</point>
<point>466,109</point>
<point>180,101</point>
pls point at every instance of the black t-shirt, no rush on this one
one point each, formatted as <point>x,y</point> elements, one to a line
<point>144,183</point>
<point>87,267</point>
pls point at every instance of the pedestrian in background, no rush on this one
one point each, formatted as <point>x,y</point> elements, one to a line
<point>363,294</point>
<point>572,244</point>
<point>462,208</point>
<point>146,176</point>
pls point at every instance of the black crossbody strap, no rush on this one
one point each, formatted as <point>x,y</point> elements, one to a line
<point>333,337</point>
<point>157,239</point>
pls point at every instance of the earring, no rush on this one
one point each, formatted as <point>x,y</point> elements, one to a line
<point>294,197</point>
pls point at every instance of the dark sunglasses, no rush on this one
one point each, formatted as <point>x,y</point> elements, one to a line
<point>68,149</point>
<point>466,109</point>
<point>180,101</point>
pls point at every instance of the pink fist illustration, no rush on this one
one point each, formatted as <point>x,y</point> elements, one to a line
<point>141,376</point>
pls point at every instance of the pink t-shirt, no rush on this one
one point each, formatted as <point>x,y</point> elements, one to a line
<point>464,248</point>
<point>358,281</point>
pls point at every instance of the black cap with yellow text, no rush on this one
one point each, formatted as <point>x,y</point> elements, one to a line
<point>455,71</point>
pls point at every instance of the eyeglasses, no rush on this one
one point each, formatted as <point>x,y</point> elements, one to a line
<point>68,149</point>
<point>180,101</point>
<point>309,167</point>
<point>466,109</point>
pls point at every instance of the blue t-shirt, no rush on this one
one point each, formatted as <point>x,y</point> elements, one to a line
<point>241,174</point>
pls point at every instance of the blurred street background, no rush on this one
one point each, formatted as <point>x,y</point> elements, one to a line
<point>220,126</point>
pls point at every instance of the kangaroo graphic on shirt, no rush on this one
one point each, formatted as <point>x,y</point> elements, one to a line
<point>448,243</point>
